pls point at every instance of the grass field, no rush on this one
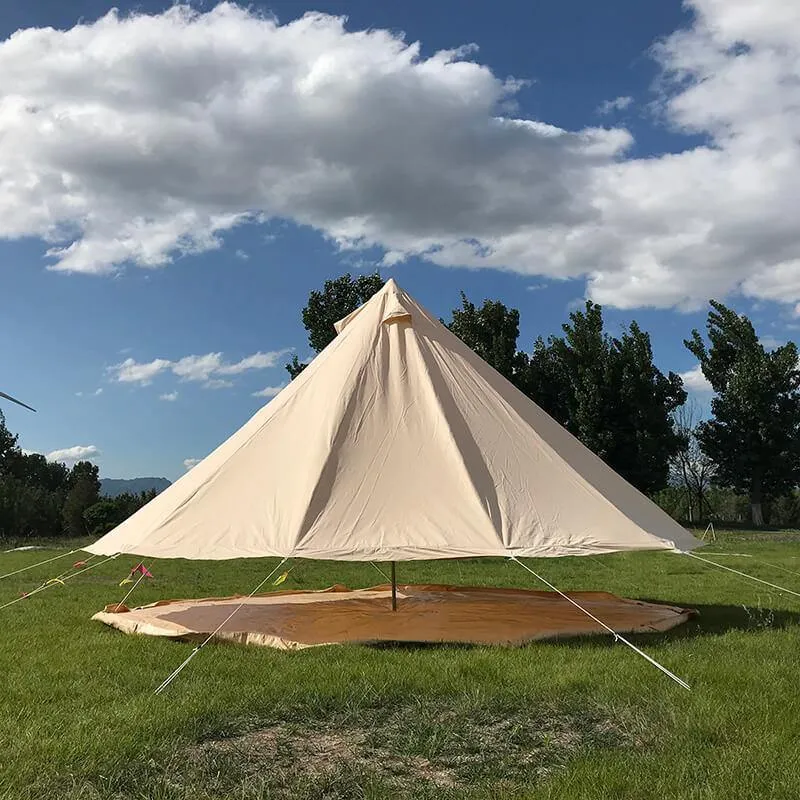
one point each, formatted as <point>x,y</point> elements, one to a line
<point>579,720</point>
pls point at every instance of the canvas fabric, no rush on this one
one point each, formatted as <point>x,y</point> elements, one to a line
<point>397,443</point>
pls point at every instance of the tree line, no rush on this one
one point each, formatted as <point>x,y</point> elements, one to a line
<point>41,498</point>
<point>744,461</point>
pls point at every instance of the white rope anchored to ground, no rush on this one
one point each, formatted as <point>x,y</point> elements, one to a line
<point>58,581</point>
<point>617,637</point>
<point>373,564</point>
<point>757,561</point>
<point>39,564</point>
<point>742,574</point>
<point>174,674</point>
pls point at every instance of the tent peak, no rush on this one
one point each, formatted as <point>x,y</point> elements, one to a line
<point>395,306</point>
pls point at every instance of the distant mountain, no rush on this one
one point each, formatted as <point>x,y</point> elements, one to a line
<point>111,487</point>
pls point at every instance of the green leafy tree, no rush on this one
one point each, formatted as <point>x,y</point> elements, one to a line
<point>338,298</point>
<point>646,440</point>
<point>546,382</point>
<point>608,392</point>
<point>108,512</point>
<point>84,491</point>
<point>9,451</point>
<point>492,330</point>
<point>754,436</point>
<point>32,490</point>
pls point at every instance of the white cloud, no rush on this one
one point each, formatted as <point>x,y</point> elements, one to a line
<point>170,397</point>
<point>771,342</point>
<point>695,381</point>
<point>199,368</point>
<point>130,371</point>
<point>115,152</point>
<point>69,455</point>
<point>617,104</point>
<point>188,463</point>
<point>269,391</point>
<point>98,391</point>
<point>256,361</point>
<point>241,254</point>
<point>121,153</point>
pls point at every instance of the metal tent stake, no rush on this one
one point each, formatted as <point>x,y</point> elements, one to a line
<point>394,589</point>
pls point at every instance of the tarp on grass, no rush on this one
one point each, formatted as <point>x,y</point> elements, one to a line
<point>425,613</point>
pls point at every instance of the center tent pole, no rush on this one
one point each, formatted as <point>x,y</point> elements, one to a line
<point>394,588</point>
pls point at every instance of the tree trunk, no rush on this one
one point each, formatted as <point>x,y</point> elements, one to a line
<point>700,502</point>
<point>756,512</point>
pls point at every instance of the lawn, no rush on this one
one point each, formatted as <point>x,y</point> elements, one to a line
<point>578,719</point>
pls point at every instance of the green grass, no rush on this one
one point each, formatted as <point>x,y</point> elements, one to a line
<point>575,719</point>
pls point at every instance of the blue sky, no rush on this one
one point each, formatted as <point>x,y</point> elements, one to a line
<point>668,194</point>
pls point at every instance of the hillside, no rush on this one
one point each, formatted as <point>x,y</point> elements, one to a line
<point>111,487</point>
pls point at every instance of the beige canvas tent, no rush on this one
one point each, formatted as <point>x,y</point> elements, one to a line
<point>397,443</point>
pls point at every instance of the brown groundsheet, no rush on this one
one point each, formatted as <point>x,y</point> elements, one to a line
<point>425,613</point>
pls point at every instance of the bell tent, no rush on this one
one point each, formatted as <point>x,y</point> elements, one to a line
<point>396,443</point>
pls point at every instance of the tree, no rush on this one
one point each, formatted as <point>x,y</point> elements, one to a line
<point>492,332</point>
<point>691,470</point>
<point>9,451</point>
<point>337,299</point>
<point>608,392</point>
<point>546,382</point>
<point>84,491</point>
<point>754,437</point>
<point>645,439</point>
<point>107,513</point>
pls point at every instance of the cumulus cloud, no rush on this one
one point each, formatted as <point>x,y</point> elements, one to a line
<point>695,381</point>
<point>255,361</point>
<point>69,455</point>
<point>141,138</point>
<point>269,391</point>
<point>130,371</point>
<point>199,368</point>
<point>170,397</point>
<point>617,104</point>
<point>188,463</point>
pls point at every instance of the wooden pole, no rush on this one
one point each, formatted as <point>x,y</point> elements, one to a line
<point>394,589</point>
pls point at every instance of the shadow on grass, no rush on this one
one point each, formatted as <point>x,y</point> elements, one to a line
<point>711,621</point>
